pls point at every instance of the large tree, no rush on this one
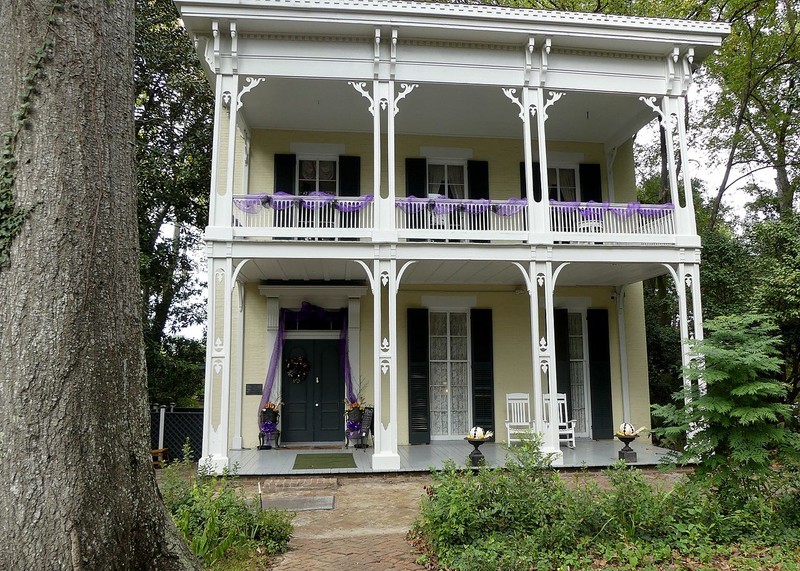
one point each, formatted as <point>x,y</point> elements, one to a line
<point>77,489</point>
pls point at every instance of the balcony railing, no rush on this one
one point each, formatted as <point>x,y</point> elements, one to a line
<point>327,217</point>
<point>446,218</point>
<point>317,215</point>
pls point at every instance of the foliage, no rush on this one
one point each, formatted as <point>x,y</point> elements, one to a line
<point>216,520</point>
<point>13,216</point>
<point>173,113</point>
<point>736,425</point>
<point>524,516</point>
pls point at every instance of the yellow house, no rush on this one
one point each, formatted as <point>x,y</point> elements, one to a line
<point>425,207</point>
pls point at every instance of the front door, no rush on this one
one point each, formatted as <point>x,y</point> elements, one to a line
<point>313,407</point>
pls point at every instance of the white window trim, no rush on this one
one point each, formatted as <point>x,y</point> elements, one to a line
<point>316,157</point>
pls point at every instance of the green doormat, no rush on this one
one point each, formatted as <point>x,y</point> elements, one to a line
<point>324,461</point>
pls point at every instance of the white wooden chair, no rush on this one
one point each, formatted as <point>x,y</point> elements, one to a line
<point>566,427</point>
<point>518,416</point>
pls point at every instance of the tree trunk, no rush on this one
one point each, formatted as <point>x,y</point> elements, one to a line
<point>77,489</point>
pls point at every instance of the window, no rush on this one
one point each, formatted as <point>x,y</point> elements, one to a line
<point>579,388</point>
<point>449,374</point>
<point>446,179</point>
<point>316,175</point>
<point>563,183</point>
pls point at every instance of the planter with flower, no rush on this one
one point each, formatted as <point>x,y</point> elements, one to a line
<point>268,425</point>
<point>476,437</point>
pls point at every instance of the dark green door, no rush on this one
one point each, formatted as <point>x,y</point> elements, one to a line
<point>313,409</point>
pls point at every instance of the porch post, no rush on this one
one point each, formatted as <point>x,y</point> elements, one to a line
<point>623,353</point>
<point>542,208</point>
<point>693,275</point>
<point>551,439</point>
<point>236,443</point>
<point>691,223</point>
<point>217,386</point>
<point>683,317</point>
<point>385,456</point>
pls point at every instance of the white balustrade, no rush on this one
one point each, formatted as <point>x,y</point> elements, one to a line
<point>325,216</point>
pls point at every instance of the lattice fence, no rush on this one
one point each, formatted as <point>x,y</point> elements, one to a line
<point>179,424</point>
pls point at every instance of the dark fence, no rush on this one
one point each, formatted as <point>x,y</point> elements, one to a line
<point>179,424</point>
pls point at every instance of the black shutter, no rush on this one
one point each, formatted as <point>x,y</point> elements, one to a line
<point>349,176</point>
<point>419,430</point>
<point>478,179</point>
<point>600,373</point>
<point>285,173</point>
<point>561,330</point>
<point>537,182</point>
<point>482,369</point>
<point>416,177</point>
<point>591,185</point>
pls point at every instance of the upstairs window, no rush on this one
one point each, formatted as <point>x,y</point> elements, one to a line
<point>316,175</point>
<point>446,180</point>
<point>563,183</point>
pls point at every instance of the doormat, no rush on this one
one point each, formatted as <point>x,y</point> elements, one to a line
<point>301,447</point>
<point>324,461</point>
<point>298,504</point>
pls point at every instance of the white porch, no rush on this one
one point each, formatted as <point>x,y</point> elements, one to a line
<point>422,458</point>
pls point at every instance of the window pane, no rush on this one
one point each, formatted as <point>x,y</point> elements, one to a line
<point>438,323</point>
<point>328,186</point>
<point>436,179</point>
<point>308,170</point>
<point>438,348</point>
<point>575,324</point>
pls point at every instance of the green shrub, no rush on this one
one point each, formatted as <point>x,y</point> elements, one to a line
<point>215,518</point>
<point>523,516</point>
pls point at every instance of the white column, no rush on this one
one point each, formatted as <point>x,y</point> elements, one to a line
<point>217,387</point>
<point>354,338</point>
<point>693,272</point>
<point>683,316</point>
<point>667,108</point>
<point>551,440</point>
<point>386,456</point>
<point>238,387</point>
<point>215,149</point>
<point>533,292</point>
<point>623,354</point>
<point>542,208</point>
<point>689,214</point>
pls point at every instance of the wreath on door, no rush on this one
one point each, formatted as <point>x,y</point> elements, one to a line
<point>297,369</point>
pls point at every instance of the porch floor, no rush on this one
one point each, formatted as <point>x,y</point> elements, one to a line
<point>422,458</point>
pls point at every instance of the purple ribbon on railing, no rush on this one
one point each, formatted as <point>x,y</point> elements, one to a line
<point>282,201</point>
<point>656,210</point>
<point>251,203</point>
<point>512,207</point>
<point>445,206</point>
<point>316,200</point>
<point>593,210</point>
<point>478,206</point>
<point>412,204</point>
<point>353,204</point>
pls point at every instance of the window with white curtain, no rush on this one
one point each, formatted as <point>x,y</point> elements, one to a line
<point>446,179</point>
<point>563,184</point>
<point>449,374</point>
<point>316,175</point>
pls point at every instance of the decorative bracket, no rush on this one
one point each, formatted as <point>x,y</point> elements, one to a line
<point>545,54</point>
<point>361,87</point>
<point>376,57</point>
<point>651,103</point>
<point>554,96</point>
<point>511,93</point>
<point>251,83</point>
<point>226,99</point>
<point>529,59</point>
<point>687,279</point>
<point>405,89</point>
<point>544,364</point>
<point>393,53</point>
<point>234,49</point>
<point>672,60</point>
<point>688,60</point>
<point>540,279</point>
<point>215,33</point>
<point>385,278</point>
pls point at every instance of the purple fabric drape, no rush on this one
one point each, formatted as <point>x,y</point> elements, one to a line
<point>477,206</point>
<point>274,360</point>
<point>252,203</point>
<point>445,206</point>
<point>282,201</point>
<point>353,204</point>
<point>316,200</point>
<point>343,357</point>
<point>512,207</point>
<point>412,204</point>
<point>594,210</point>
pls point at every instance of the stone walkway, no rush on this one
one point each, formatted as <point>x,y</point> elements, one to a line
<point>366,529</point>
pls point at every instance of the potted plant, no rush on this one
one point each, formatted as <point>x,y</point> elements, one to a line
<point>268,424</point>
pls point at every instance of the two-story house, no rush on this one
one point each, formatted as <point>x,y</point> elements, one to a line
<point>436,203</point>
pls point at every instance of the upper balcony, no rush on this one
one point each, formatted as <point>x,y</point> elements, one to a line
<point>324,216</point>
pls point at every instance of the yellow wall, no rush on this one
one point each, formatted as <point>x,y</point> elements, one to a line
<point>503,155</point>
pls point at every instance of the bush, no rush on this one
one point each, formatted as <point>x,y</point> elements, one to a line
<point>215,518</point>
<point>523,516</point>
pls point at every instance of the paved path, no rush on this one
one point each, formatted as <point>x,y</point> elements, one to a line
<point>366,529</point>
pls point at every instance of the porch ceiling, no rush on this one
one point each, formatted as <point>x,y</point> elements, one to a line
<point>440,109</point>
<point>447,272</point>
